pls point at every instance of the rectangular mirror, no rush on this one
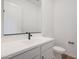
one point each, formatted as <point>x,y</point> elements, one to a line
<point>22,16</point>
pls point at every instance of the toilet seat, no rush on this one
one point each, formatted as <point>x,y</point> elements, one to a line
<point>58,49</point>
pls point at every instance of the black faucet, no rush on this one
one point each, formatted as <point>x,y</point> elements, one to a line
<point>29,35</point>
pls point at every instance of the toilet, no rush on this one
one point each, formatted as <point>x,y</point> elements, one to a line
<point>58,51</point>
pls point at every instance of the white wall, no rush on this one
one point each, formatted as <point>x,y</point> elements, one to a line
<point>2,17</point>
<point>65,24</point>
<point>48,17</point>
<point>31,18</point>
<point>59,19</point>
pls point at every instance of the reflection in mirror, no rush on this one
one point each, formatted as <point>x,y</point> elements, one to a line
<point>22,16</point>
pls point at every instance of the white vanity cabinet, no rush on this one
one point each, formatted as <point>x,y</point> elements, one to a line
<point>46,51</point>
<point>20,56</point>
<point>34,53</point>
<point>47,54</point>
<point>31,54</point>
<point>41,51</point>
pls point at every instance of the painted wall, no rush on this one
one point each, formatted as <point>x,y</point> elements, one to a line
<point>48,17</point>
<point>59,21</point>
<point>2,17</point>
<point>65,25</point>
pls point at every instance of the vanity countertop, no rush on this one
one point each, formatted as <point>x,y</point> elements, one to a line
<point>12,46</point>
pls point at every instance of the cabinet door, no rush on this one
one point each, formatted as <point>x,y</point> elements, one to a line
<point>35,57</point>
<point>34,53</point>
<point>47,54</point>
<point>21,56</point>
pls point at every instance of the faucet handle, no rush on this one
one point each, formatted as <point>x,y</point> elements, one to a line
<point>30,35</point>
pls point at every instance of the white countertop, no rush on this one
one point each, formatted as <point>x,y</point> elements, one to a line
<point>12,46</point>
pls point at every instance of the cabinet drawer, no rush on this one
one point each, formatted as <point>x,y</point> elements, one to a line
<point>20,56</point>
<point>47,45</point>
<point>27,55</point>
<point>34,52</point>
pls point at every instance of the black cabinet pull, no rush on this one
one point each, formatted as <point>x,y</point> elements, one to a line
<point>42,57</point>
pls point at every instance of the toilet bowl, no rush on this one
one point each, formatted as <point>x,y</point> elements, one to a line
<point>58,51</point>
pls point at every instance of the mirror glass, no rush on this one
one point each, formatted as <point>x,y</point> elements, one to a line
<point>22,16</point>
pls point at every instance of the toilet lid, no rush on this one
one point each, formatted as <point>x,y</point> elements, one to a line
<point>60,49</point>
